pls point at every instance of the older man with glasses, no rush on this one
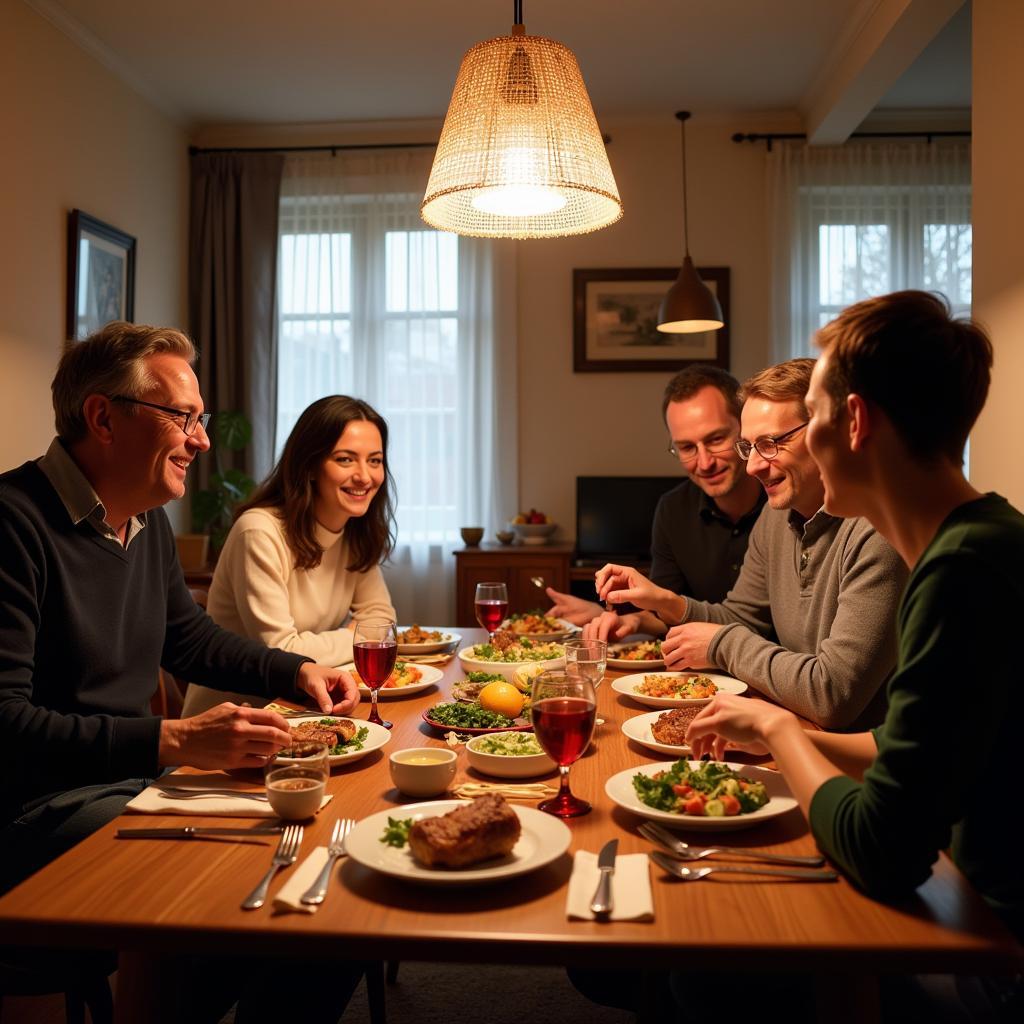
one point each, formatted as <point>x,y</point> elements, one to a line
<point>810,622</point>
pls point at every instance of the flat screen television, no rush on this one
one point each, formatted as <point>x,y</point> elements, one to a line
<point>614,515</point>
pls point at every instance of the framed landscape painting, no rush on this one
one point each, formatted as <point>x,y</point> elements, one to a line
<point>615,322</point>
<point>101,275</point>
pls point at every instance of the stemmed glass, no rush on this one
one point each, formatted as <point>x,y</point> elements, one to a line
<point>374,649</point>
<point>562,711</point>
<point>491,604</point>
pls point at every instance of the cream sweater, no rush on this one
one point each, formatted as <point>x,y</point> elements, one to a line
<point>257,592</point>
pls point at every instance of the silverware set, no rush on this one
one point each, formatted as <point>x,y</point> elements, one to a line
<point>318,890</point>
<point>286,853</point>
<point>674,867</point>
<point>187,793</point>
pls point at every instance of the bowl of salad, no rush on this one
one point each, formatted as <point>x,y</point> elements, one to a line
<point>508,652</point>
<point>508,755</point>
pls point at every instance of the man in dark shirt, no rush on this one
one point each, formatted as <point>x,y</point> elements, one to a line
<point>701,527</point>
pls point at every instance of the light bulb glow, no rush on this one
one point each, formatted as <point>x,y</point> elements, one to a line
<point>518,200</point>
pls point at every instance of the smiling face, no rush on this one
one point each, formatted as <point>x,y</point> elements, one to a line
<point>828,436</point>
<point>153,451</point>
<point>705,421</point>
<point>791,479</point>
<point>350,477</point>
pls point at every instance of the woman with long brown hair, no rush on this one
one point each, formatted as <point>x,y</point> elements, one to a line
<point>304,552</point>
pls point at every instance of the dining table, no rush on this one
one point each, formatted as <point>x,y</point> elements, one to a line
<point>151,899</point>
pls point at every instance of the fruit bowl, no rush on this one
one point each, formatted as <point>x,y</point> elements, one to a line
<point>533,533</point>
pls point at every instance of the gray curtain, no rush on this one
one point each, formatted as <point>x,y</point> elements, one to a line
<point>232,294</point>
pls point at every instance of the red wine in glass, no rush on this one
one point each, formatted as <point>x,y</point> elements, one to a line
<point>374,649</point>
<point>491,603</point>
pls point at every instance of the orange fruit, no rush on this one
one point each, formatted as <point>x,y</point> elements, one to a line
<point>501,698</point>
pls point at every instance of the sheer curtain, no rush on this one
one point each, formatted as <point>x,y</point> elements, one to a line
<point>419,323</point>
<point>848,222</point>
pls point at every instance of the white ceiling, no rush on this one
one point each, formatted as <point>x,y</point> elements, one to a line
<point>286,61</point>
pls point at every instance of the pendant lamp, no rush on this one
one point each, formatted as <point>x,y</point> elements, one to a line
<point>520,154</point>
<point>689,306</point>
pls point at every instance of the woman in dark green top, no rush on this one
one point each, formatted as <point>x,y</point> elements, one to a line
<point>892,398</point>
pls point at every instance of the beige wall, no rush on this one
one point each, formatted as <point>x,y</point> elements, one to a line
<point>998,216</point>
<point>74,136</point>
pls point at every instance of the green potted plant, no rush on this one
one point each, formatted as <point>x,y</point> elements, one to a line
<point>213,508</point>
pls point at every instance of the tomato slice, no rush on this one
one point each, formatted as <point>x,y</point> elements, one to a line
<point>695,805</point>
<point>731,805</point>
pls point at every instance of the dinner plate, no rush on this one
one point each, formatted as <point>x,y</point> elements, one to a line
<point>620,790</point>
<point>376,737</point>
<point>431,676</point>
<point>638,728</point>
<point>567,629</point>
<point>433,646</point>
<point>544,838</point>
<point>625,663</point>
<point>627,685</point>
<point>518,725</point>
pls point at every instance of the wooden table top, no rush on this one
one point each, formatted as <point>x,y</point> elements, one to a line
<point>164,895</point>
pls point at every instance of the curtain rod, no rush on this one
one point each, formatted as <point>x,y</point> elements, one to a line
<point>769,137</point>
<point>193,150</point>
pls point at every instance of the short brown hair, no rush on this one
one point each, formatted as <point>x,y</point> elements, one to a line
<point>109,362</point>
<point>926,370</point>
<point>784,382</point>
<point>688,381</point>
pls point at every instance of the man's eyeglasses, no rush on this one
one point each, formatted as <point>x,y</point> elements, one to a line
<point>766,447</point>
<point>190,420</point>
<point>686,452</point>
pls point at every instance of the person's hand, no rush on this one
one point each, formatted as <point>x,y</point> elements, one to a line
<point>610,626</point>
<point>622,584</point>
<point>227,736</point>
<point>571,608</point>
<point>736,722</point>
<point>334,691</point>
<point>687,646</point>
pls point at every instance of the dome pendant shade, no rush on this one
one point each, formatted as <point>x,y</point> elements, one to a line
<point>520,154</point>
<point>690,306</point>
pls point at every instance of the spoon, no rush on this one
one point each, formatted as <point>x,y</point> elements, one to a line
<point>539,582</point>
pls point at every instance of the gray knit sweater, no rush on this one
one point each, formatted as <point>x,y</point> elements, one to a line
<point>811,622</point>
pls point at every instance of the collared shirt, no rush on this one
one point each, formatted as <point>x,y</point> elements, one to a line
<point>79,498</point>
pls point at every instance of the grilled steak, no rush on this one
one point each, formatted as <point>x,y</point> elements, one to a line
<point>486,828</point>
<point>672,725</point>
<point>341,730</point>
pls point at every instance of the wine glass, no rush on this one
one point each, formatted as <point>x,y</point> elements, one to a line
<point>491,604</point>
<point>374,649</point>
<point>296,778</point>
<point>562,711</point>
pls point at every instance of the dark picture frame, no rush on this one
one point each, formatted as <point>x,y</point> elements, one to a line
<point>101,275</point>
<point>615,322</point>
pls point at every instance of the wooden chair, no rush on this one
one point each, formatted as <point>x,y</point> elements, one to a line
<point>169,698</point>
<point>82,977</point>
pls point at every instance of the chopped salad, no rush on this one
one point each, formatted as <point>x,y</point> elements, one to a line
<point>711,789</point>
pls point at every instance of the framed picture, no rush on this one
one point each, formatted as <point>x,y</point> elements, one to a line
<point>615,322</point>
<point>101,275</point>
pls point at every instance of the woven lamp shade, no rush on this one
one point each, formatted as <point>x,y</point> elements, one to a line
<point>520,154</point>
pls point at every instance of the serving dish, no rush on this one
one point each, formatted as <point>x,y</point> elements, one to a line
<point>507,766</point>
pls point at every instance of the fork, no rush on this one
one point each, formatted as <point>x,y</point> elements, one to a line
<point>287,851</point>
<point>686,852</point>
<point>187,793</point>
<point>318,890</point>
<point>673,867</point>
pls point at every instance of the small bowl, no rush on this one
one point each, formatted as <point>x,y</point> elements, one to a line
<point>534,533</point>
<point>472,535</point>
<point>507,766</point>
<point>505,536</point>
<point>422,771</point>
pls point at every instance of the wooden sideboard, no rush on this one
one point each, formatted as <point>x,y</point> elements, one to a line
<point>512,564</point>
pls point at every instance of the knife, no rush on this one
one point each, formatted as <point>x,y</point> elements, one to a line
<point>602,901</point>
<point>195,832</point>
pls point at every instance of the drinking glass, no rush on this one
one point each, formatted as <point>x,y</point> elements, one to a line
<point>588,657</point>
<point>296,778</point>
<point>374,649</point>
<point>562,711</point>
<point>491,606</point>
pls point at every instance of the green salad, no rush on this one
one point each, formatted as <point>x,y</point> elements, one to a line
<point>524,650</point>
<point>508,744</point>
<point>460,715</point>
<point>711,789</point>
<point>397,832</point>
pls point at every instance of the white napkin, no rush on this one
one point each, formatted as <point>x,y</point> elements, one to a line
<point>631,888</point>
<point>153,800</point>
<point>290,896</point>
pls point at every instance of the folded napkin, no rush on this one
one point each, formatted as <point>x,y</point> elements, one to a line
<point>155,800</point>
<point>290,896</point>
<point>631,888</point>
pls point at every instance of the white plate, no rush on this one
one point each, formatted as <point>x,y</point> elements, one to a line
<point>433,646</point>
<point>626,663</point>
<point>544,838</point>
<point>639,728</point>
<point>431,676</point>
<point>567,630</point>
<point>627,684</point>
<point>620,789</point>
<point>375,738</point>
<point>504,668</point>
